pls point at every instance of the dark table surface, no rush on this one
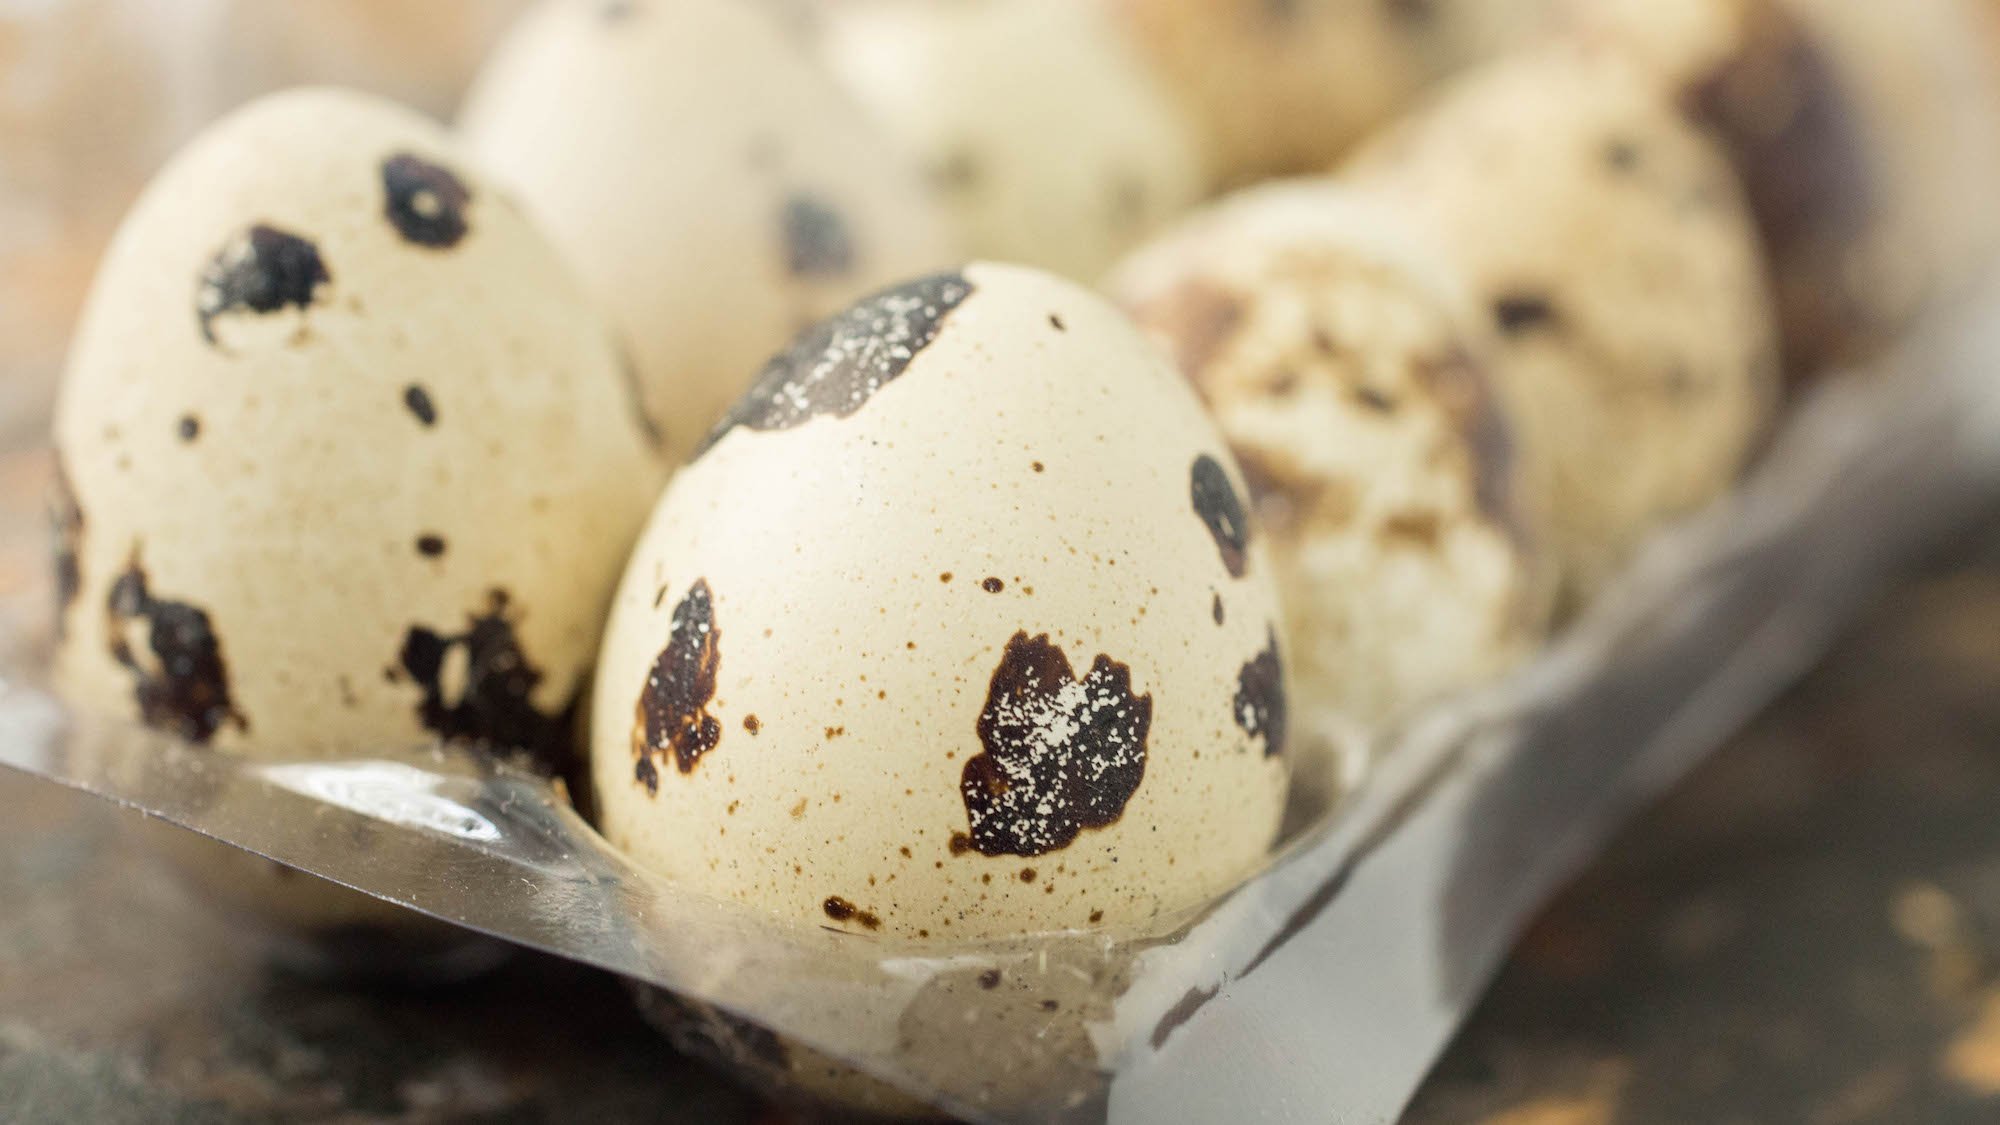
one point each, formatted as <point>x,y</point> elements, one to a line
<point>1807,930</point>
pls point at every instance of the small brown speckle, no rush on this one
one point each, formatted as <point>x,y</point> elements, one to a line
<point>430,546</point>
<point>1216,609</point>
<point>751,724</point>
<point>1096,916</point>
<point>992,585</point>
<point>990,979</point>
<point>841,910</point>
<point>1520,313</point>
<point>905,850</point>
<point>1056,323</point>
<point>960,843</point>
<point>799,809</point>
<point>945,577</point>
<point>1039,467</point>
<point>190,427</point>
<point>835,732</point>
<point>1050,1005</point>
<point>1027,874</point>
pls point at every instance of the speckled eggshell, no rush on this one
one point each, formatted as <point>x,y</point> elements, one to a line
<point>1339,358</point>
<point>711,183</point>
<point>926,643</point>
<point>1278,88</point>
<point>1863,133</point>
<point>1610,247</point>
<point>350,461</point>
<point>1041,129</point>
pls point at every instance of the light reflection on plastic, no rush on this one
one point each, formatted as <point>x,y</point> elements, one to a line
<point>387,791</point>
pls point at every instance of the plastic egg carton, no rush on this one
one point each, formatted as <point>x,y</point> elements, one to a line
<point>1320,989</point>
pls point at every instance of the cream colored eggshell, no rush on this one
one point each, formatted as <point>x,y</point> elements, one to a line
<point>1611,247</point>
<point>1050,142</point>
<point>1279,88</point>
<point>1340,362</point>
<point>711,184</point>
<point>278,479</point>
<point>1028,474</point>
<point>1865,136</point>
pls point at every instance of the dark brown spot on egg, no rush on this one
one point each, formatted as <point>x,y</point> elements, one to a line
<point>817,242</point>
<point>1260,706</point>
<point>1060,754</point>
<point>1518,314</point>
<point>1216,609</point>
<point>1418,529</point>
<point>834,367</point>
<point>958,172</point>
<point>1056,323</point>
<point>1039,467</point>
<point>1027,874</point>
<point>992,585</point>
<point>841,910</point>
<point>261,270</point>
<point>430,546</point>
<point>66,544</point>
<point>673,720</point>
<point>1462,387</point>
<point>1221,510</point>
<point>418,400</point>
<point>751,724</point>
<point>1788,122</point>
<point>478,687</point>
<point>1621,154</point>
<point>189,427</point>
<point>425,202</point>
<point>170,648</point>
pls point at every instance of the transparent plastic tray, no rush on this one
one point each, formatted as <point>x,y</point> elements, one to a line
<point>1320,990</point>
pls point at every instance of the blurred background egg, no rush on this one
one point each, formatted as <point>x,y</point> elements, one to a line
<point>1610,249</point>
<point>714,188</point>
<point>1344,366</point>
<point>1044,134</point>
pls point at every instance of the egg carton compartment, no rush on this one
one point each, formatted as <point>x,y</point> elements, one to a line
<point>1323,987</point>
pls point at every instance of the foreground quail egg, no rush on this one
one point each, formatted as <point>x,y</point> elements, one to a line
<point>1610,247</point>
<point>708,180</point>
<point>1863,134</point>
<point>349,461</point>
<point>957,628</point>
<point>1336,356</point>
<point>1277,88</point>
<point>1043,133</point>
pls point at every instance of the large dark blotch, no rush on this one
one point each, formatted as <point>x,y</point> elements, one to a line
<point>1061,754</point>
<point>261,270</point>
<point>1260,705</point>
<point>1785,119</point>
<point>1463,387</point>
<point>673,720</point>
<point>817,242</point>
<point>179,676</point>
<point>835,366</point>
<point>423,201</point>
<point>66,544</point>
<point>488,697</point>
<point>1221,509</point>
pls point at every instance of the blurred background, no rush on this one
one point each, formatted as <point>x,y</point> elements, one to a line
<point>1808,930</point>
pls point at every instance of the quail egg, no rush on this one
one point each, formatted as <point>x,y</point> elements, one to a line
<point>1611,250</point>
<point>958,627</point>
<point>1348,375</point>
<point>1043,133</point>
<point>710,182</point>
<point>348,459</point>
